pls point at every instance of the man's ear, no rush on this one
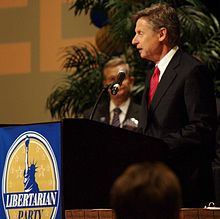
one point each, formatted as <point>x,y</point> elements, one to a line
<point>162,34</point>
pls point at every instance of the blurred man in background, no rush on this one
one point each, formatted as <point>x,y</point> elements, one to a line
<point>120,110</point>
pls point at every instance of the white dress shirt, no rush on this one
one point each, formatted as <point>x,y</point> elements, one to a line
<point>162,65</point>
<point>123,108</point>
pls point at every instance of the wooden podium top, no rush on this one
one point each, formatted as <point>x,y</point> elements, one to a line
<point>186,213</point>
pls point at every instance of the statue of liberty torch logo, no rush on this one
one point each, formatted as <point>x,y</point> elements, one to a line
<point>30,184</point>
<point>30,189</point>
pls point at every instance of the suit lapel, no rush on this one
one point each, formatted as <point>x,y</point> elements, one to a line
<point>147,84</point>
<point>103,113</point>
<point>128,114</point>
<point>166,80</point>
<point>144,109</point>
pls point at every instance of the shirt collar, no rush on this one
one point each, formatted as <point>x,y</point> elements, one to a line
<point>162,65</point>
<point>123,106</point>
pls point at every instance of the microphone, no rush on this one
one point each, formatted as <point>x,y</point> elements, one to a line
<point>114,90</point>
<point>117,84</point>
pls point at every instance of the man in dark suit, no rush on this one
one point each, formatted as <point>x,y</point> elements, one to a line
<point>182,111</point>
<point>122,101</point>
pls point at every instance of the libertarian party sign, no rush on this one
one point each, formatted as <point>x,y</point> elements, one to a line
<point>30,168</point>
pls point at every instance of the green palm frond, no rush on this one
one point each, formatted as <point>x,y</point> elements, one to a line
<point>194,24</point>
<point>78,90</point>
<point>83,5</point>
<point>120,16</point>
<point>205,43</point>
<point>210,51</point>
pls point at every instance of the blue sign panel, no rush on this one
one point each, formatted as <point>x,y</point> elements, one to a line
<point>30,166</point>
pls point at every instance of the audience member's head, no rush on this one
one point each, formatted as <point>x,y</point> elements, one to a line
<point>146,191</point>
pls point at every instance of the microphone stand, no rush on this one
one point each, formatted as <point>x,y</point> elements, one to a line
<point>105,88</point>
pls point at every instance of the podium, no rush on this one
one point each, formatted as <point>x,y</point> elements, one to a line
<point>94,154</point>
<point>77,161</point>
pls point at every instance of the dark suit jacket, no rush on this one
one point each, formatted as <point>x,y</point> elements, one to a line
<point>102,113</point>
<point>183,114</point>
<point>216,162</point>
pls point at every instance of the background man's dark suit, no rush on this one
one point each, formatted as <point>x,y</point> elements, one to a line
<point>102,112</point>
<point>183,114</point>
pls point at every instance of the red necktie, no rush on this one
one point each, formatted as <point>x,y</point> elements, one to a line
<point>153,84</point>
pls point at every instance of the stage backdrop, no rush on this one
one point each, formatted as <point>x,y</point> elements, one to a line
<point>30,166</point>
